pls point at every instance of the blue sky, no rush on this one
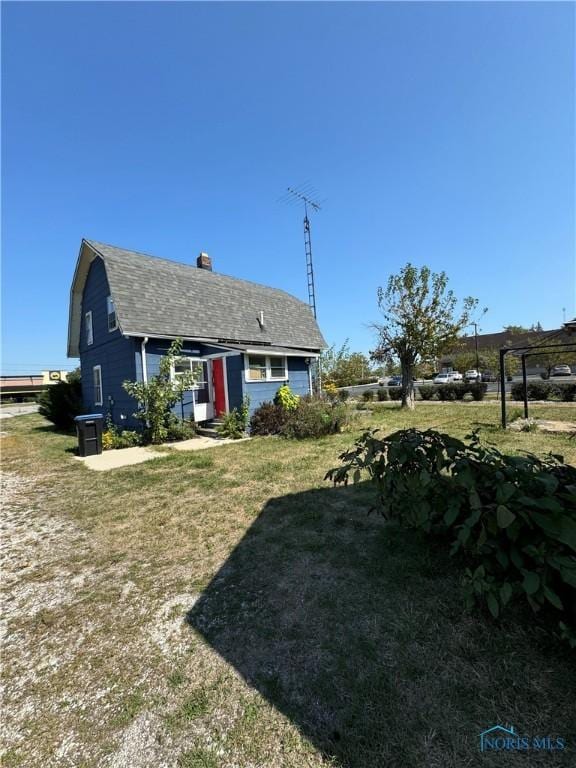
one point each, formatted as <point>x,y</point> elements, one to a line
<point>440,133</point>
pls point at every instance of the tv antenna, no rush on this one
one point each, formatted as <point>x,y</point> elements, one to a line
<point>303,194</point>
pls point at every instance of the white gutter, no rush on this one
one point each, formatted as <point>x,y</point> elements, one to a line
<point>143,356</point>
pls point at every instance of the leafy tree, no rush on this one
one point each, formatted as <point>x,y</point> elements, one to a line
<point>342,367</point>
<point>60,402</point>
<point>159,395</point>
<point>420,321</point>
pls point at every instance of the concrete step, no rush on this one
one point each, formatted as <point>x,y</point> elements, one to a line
<point>208,431</point>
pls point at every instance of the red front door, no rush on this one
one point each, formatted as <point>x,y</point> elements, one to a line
<point>218,386</point>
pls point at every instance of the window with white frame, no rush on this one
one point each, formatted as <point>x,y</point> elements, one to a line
<point>97,380</point>
<point>266,368</point>
<point>187,365</point>
<point>89,329</point>
<point>111,311</point>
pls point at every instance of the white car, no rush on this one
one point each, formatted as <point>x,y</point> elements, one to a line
<point>446,378</point>
<point>472,375</point>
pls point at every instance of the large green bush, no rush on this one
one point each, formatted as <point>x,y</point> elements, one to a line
<point>428,391</point>
<point>395,393</point>
<point>513,518</point>
<point>61,402</point>
<point>545,390</point>
<point>313,417</point>
<point>382,394</point>
<point>268,419</point>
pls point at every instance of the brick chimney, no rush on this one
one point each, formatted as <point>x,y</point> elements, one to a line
<point>204,262</point>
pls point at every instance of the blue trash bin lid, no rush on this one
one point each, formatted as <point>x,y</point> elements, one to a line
<point>89,416</point>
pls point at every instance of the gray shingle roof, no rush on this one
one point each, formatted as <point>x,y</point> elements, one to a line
<point>157,297</point>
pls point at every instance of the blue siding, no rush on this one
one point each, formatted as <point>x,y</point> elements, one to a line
<point>110,350</point>
<point>261,391</point>
<point>155,351</point>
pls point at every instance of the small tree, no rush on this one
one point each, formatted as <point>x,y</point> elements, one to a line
<point>342,367</point>
<point>420,321</point>
<point>61,402</point>
<point>159,395</point>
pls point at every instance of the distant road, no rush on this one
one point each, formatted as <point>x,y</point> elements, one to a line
<point>9,410</point>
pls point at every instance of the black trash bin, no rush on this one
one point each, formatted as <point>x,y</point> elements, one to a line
<point>89,430</point>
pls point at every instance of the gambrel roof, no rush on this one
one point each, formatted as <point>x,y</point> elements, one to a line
<point>160,298</point>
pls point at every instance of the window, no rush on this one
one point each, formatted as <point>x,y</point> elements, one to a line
<point>256,368</point>
<point>185,365</point>
<point>97,379</point>
<point>266,368</point>
<point>111,310</point>
<point>89,329</point>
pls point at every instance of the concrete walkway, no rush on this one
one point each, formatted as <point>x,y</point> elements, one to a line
<point>126,457</point>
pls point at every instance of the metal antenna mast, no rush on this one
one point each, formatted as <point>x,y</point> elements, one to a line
<point>301,195</point>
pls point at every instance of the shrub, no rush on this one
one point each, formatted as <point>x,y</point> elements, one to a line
<point>382,394</point>
<point>114,438</point>
<point>159,394</point>
<point>343,395</point>
<point>235,423</point>
<point>395,393</point>
<point>61,402</point>
<point>565,391</point>
<point>181,430</point>
<point>268,419</point>
<point>539,390</point>
<point>513,518</point>
<point>428,391</point>
<point>286,398</point>
<point>315,418</point>
<point>368,395</point>
<point>478,390</point>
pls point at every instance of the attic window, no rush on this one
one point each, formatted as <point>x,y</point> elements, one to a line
<point>89,329</point>
<point>111,310</point>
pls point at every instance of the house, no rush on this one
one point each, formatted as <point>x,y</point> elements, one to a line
<point>240,338</point>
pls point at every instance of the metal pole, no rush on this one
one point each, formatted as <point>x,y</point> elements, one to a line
<point>476,345</point>
<point>503,386</point>
<point>524,386</point>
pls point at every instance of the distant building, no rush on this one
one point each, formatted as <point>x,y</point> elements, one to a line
<point>496,341</point>
<point>29,384</point>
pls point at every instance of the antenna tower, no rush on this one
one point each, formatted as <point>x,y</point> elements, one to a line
<point>303,195</point>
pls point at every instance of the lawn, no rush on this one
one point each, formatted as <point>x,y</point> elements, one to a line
<point>228,608</point>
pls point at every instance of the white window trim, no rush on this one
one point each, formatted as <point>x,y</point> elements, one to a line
<point>89,327</point>
<point>115,327</point>
<point>192,360</point>
<point>269,376</point>
<point>99,369</point>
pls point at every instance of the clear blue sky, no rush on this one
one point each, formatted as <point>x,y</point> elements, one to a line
<point>441,134</point>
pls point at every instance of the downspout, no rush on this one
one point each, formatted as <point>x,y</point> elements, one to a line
<point>144,366</point>
<point>143,357</point>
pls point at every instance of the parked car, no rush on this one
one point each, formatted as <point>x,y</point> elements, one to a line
<point>489,376</point>
<point>395,381</point>
<point>448,378</point>
<point>561,370</point>
<point>472,375</point>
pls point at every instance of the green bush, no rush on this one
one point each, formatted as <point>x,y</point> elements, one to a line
<point>235,423</point>
<point>286,398</point>
<point>428,391</point>
<point>395,393</point>
<point>314,418</point>
<point>545,390</point>
<point>61,402</point>
<point>565,391</point>
<point>268,419</point>
<point>452,391</point>
<point>477,389</point>
<point>382,394</point>
<point>181,430</point>
<point>343,395</point>
<point>368,395</point>
<point>512,518</point>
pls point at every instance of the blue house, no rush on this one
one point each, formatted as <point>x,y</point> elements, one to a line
<point>239,338</point>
